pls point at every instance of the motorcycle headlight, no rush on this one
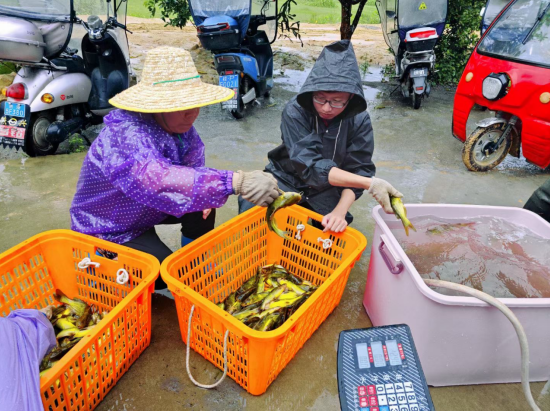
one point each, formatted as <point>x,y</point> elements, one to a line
<point>495,86</point>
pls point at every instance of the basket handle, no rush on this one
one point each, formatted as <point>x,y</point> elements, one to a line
<point>187,356</point>
<point>394,263</point>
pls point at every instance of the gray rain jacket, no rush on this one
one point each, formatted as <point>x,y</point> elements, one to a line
<point>310,149</point>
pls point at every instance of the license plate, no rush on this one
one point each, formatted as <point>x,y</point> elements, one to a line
<point>229,81</point>
<point>14,109</point>
<point>14,121</point>
<point>422,72</point>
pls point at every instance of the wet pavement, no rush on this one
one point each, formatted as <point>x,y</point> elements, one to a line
<point>413,149</point>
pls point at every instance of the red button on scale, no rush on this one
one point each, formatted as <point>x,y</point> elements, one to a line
<point>363,402</point>
<point>371,390</point>
<point>375,409</point>
<point>362,390</point>
<point>373,401</point>
<point>386,353</point>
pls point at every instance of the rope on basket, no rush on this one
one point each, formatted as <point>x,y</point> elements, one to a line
<point>187,356</point>
<point>299,227</point>
<point>86,262</point>
<point>122,276</point>
<point>327,242</point>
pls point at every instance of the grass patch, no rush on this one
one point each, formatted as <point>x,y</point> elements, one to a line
<point>307,11</point>
<point>77,144</point>
<point>7,68</point>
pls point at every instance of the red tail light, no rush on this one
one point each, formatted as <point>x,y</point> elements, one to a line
<point>423,34</point>
<point>228,71</point>
<point>199,29</point>
<point>223,26</point>
<point>17,91</point>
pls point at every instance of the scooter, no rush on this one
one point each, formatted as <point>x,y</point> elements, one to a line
<point>411,30</point>
<point>58,92</point>
<point>243,57</point>
<point>508,73</point>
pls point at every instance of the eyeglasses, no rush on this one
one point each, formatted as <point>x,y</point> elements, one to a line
<point>330,103</point>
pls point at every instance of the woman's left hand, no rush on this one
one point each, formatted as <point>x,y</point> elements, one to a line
<point>206,213</point>
<point>335,222</point>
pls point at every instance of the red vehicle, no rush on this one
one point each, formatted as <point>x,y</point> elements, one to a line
<point>508,72</point>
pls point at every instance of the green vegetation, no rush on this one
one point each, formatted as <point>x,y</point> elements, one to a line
<point>7,68</point>
<point>77,144</point>
<point>458,40</point>
<point>307,11</point>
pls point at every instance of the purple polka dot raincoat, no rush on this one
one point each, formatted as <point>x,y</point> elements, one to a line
<point>135,175</point>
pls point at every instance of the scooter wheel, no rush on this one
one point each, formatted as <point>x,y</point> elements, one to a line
<point>35,139</point>
<point>416,100</point>
<point>239,113</point>
<point>480,152</point>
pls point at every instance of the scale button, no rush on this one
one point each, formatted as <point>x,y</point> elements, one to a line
<point>375,409</point>
<point>382,400</point>
<point>404,408</point>
<point>394,408</point>
<point>380,389</point>
<point>399,387</point>
<point>371,390</point>
<point>392,399</point>
<point>364,409</point>
<point>401,399</point>
<point>408,386</point>
<point>414,407</point>
<point>373,401</point>
<point>362,390</point>
<point>384,408</point>
<point>363,402</point>
<point>411,397</point>
<point>390,389</point>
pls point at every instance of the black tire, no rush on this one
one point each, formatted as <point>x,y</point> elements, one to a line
<point>35,138</point>
<point>479,154</point>
<point>267,94</point>
<point>416,100</point>
<point>243,89</point>
<point>239,112</point>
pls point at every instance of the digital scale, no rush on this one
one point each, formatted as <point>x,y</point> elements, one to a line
<point>379,370</point>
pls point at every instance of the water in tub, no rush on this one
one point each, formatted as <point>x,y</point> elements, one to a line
<point>487,253</point>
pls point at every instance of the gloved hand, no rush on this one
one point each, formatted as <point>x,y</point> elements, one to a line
<point>381,190</point>
<point>48,311</point>
<point>258,187</point>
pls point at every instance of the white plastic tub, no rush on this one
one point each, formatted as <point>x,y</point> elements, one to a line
<point>460,340</point>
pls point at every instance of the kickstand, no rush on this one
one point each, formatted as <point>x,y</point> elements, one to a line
<point>394,90</point>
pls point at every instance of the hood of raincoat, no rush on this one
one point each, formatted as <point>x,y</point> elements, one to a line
<point>336,69</point>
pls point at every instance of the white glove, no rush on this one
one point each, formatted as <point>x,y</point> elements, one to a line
<point>381,190</point>
<point>258,187</point>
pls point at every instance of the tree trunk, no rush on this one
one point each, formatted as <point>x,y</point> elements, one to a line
<point>345,24</point>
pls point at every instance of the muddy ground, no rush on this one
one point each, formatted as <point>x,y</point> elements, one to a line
<point>413,149</point>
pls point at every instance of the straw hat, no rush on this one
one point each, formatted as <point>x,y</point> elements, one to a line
<point>169,82</point>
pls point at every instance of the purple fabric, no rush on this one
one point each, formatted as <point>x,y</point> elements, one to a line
<point>136,174</point>
<point>26,336</point>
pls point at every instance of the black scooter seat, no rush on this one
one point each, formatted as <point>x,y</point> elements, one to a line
<point>74,64</point>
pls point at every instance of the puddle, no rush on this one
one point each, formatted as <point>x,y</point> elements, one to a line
<point>291,80</point>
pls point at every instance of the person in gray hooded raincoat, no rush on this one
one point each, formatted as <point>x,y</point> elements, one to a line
<point>327,146</point>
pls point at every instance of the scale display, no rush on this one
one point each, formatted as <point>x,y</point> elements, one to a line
<point>379,370</point>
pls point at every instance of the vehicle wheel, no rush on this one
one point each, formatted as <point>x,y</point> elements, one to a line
<point>416,100</point>
<point>243,89</point>
<point>35,139</point>
<point>480,152</point>
<point>239,112</point>
<point>267,94</point>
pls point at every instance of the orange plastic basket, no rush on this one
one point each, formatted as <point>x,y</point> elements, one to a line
<point>206,271</point>
<point>31,272</point>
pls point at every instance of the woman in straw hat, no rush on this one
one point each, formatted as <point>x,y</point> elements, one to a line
<point>147,165</point>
